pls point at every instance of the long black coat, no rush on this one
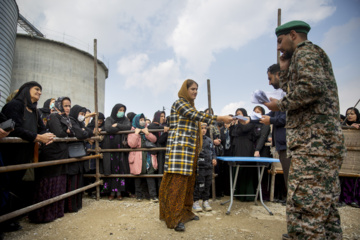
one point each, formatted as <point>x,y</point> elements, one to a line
<point>57,150</point>
<point>242,144</point>
<point>115,142</point>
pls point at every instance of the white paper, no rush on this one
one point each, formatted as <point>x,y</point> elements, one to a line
<point>276,94</point>
<point>255,116</point>
<point>261,97</point>
<point>241,117</point>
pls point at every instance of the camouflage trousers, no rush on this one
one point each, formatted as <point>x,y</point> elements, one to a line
<point>313,191</point>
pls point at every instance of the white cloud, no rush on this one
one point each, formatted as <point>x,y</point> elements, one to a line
<point>231,107</point>
<point>138,72</point>
<point>341,35</point>
<point>132,64</point>
<point>307,10</point>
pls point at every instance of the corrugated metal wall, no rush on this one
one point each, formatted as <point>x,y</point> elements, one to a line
<point>9,13</point>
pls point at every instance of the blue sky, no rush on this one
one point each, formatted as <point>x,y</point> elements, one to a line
<point>151,47</point>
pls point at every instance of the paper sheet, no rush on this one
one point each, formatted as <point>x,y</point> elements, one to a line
<point>261,97</point>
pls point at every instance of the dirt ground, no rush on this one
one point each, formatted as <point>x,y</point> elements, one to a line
<point>129,219</point>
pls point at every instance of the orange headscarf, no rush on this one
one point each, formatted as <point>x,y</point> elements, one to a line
<point>183,93</point>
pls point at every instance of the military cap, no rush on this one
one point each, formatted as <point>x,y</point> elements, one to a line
<point>297,26</point>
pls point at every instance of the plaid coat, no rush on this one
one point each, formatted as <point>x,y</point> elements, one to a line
<point>182,140</point>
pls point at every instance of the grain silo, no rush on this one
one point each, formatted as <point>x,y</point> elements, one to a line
<point>61,69</point>
<point>9,13</point>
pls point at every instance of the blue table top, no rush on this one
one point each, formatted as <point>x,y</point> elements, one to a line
<point>248,159</point>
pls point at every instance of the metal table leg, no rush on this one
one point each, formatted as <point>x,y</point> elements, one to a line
<point>259,191</point>
<point>232,188</point>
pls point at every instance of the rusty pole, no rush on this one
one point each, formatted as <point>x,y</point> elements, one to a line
<point>96,120</point>
<point>211,136</point>
<point>273,173</point>
<point>279,23</point>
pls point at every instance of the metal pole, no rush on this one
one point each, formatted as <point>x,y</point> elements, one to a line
<point>96,121</point>
<point>56,139</point>
<point>273,173</point>
<point>128,150</point>
<point>126,175</point>
<point>46,202</point>
<point>211,136</point>
<point>18,167</point>
<point>279,23</point>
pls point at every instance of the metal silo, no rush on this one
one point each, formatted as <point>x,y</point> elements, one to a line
<point>61,69</point>
<point>9,13</point>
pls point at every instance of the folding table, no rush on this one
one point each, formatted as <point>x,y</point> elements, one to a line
<point>237,162</point>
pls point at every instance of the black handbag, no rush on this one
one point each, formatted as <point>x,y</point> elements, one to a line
<point>219,150</point>
<point>76,149</point>
<point>8,125</point>
<point>148,144</point>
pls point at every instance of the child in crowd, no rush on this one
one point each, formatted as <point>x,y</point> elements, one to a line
<point>206,161</point>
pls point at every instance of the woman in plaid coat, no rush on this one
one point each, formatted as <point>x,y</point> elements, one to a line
<point>183,147</point>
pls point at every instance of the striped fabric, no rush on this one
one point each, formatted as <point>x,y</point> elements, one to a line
<point>182,139</point>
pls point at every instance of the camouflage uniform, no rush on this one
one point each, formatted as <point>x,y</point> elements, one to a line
<point>315,144</point>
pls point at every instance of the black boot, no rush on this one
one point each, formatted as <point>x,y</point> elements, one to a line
<point>180,227</point>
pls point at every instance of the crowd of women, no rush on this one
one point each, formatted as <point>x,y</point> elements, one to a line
<point>60,118</point>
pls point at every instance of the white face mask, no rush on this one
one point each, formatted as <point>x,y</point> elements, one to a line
<point>142,123</point>
<point>81,118</point>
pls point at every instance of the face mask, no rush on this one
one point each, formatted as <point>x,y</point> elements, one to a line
<point>52,105</point>
<point>81,118</point>
<point>142,123</point>
<point>120,114</point>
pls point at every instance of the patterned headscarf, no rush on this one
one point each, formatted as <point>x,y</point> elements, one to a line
<point>59,105</point>
<point>183,93</point>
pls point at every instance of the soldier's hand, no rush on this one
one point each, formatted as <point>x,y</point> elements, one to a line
<point>272,105</point>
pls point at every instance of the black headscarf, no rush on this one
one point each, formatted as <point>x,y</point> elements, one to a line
<point>46,106</point>
<point>92,123</point>
<point>115,111</point>
<point>24,94</point>
<point>131,116</point>
<point>75,110</point>
<point>357,116</point>
<point>244,112</point>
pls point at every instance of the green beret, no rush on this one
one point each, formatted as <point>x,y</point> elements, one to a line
<point>297,26</point>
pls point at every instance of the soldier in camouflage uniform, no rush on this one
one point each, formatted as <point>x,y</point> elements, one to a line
<point>315,141</point>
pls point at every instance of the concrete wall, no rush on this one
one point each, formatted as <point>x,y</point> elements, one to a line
<point>9,13</point>
<point>62,70</point>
